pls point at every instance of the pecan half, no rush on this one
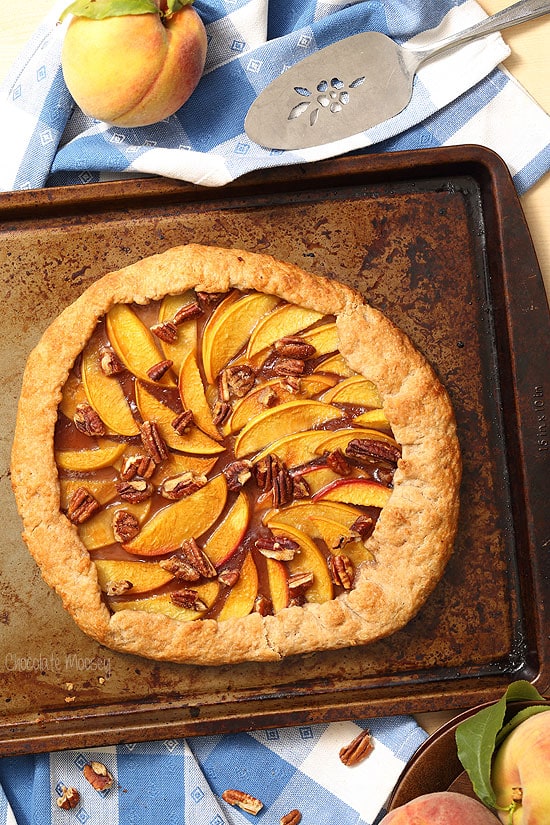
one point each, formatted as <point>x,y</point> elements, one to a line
<point>358,749</point>
<point>152,441</point>
<point>237,474</point>
<point>288,367</point>
<point>276,547</point>
<point>182,422</point>
<point>283,488</point>
<point>293,817</point>
<point>364,525</point>
<point>118,588</point>
<point>229,577</point>
<point>220,412</point>
<point>69,798</point>
<point>188,599</point>
<point>370,449</point>
<point>299,582</point>
<point>182,485</point>
<point>209,299</point>
<point>137,465</point>
<point>125,526</point>
<point>187,313</point>
<point>266,470</point>
<point>236,380</point>
<point>262,605</point>
<point>134,491</point>
<point>167,332</point>
<point>82,505</point>
<point>300,487</point>
<point>87,421</point>
<point>200,561</point>
<point>110,362</point>
<point>292,383</point>
<point>338,462</point>
<point>293,346</point>
<point>268,397</point>
<point>180,568</point>
<point>157,371</point>
<point>341,571</point>
<point>98,776</point>
<point>243,800</point>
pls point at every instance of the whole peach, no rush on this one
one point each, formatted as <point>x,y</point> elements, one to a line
<point>521,773</point>
<point>441,808</point>
<point>135,69</point>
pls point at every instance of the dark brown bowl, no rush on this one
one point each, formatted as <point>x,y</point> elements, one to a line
<point>436,767</point>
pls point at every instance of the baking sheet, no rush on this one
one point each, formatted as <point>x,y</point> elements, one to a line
<point>435,239</point>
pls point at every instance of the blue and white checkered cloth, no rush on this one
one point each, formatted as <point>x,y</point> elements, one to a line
<point>180,782</point>
<point>461,97</point>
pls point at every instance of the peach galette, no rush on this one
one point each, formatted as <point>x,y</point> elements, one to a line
<point>219,457</point>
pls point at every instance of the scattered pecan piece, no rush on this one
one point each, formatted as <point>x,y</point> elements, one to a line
<point>220,412</point>
<point>137,465</point>
<point>273,547</point>
<point>371,449</point>
<point>118,588</point>
<point>187,313</point>
<point>236,380</point>
<point>153,442</point>
<point>134,491</point>
<point>341,571</point>
<point>338,462</point>
<point>297,601</point>
<point>125,526</point>
<point>262,605</point>
<point>180,568</point>
<point>358,749</point>
<point>364,525</point>
<point>182,422</point>
<point>266,470</point>
<point>292,384</point>
<point>283,488</point>
<point>288,367</point>
<point>188,599</point>
<point>243,800</point>
<point>182,485</point>
<point>299,582</point>
<point>237,474</point>
<point>268,397</point>
<point>87,421</point>
<point>200,561</point>
<point>384,475</point>
<point>69,798</point>
<point>229,577</point>
<point>293,817</point>
<point>209,299</point>
<point>109,361</point>
<point>300,487</point>
<point>98,776</point>
<point>157,371</point>
<point>82,505</point>
<point>167,332</point>
<point>293,346</point>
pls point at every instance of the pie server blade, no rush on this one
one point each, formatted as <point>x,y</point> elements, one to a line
<point>354,84</point>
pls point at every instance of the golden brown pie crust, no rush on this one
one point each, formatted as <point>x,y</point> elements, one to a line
<point>414,535</point>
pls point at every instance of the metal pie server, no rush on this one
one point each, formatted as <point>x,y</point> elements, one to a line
<point>355,84</point>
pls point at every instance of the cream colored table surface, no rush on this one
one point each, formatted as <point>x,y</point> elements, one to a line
<point>529,63</point>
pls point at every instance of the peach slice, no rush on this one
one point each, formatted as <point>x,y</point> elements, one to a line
<point>187,331</point>
<point>229,332</point>
<point>187,518</point>
<point>134,344</point>
<point>72,395</point>
<point>317,477</point>
<point>323,338</point>
<point>360,491</point>
<point>104,392</point>
<point>374,419</point>
<point>301,515</point>
<point>278,584</point>
<point>98,531</point>
<point>103,490</point>
<point>297,448</point>
<point>227,536</point>
<point>207,593</point>
<point>308,559</point>
<point>339,439</point>
<point>240,600</point>
<point>290,417</point>
<point>193,398</point>
<point>194,441</point>
<point>144,575</point>
<point>354,390</point>
<point>82,461</point>
<point>336,364</point>
<point>276,390</point>
<point>287,319</point>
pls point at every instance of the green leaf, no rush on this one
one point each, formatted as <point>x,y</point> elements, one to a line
<point>516,720</point>
<point>100,9</point>
<point>177,5</point>
<point>476,738</point>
